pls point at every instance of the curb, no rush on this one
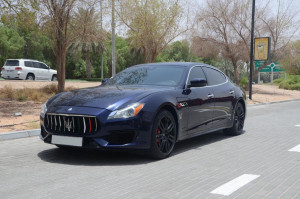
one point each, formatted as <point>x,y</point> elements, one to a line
<point>266,103</point>
<point>19,134</point>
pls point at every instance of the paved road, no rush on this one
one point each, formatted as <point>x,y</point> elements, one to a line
<point>199,168</point>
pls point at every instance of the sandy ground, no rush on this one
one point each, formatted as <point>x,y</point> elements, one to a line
<point>270,93</point>
<point>19,84</point>
<point>30,110</point>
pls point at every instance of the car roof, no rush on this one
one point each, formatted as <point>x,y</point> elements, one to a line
<point>183,64</point>
<point>172,64</point>
<point>25,60</point>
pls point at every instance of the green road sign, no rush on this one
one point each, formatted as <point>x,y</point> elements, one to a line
<point>268,68</point>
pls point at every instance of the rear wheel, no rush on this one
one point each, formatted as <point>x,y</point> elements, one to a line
<point>238,124</point>
<point>163,137</point>
<point>30,77</point>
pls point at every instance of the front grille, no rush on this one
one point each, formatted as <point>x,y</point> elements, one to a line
<point>64,123</point>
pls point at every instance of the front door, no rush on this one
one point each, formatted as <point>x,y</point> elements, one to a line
<point>201,105</point>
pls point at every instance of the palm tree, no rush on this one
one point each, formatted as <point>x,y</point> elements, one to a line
<point>89,37</point>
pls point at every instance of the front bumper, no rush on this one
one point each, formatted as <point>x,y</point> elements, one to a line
<point>132,133</point>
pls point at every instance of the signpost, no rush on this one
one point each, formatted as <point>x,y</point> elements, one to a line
<point>268,68</point>
<point>251,49</point>
<point>262,48</point>
<point>271,68</point>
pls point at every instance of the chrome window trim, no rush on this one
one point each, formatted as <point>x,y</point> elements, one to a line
<point>186,82</point>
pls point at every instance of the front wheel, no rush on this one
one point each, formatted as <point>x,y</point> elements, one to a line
<point>163,136</point>
<point>238,123</point>
<point>54,78</point>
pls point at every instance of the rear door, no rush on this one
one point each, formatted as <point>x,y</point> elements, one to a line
<point>44,70</point>
<point>223,96</point>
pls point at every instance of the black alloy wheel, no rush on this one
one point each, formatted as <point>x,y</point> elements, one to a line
<point>238,124</point>
<point>163,135</point>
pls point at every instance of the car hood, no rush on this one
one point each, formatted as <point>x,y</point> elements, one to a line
<point>109,98</point>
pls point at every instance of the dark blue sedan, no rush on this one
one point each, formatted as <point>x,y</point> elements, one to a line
<point>148,107</point>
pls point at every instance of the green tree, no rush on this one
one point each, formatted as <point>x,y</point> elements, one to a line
<point>291,58</point>
<point>152,24</point>
<point>89,37</point>
<point>58,23</point>
<point>11,44</point>
<point>176,51</point>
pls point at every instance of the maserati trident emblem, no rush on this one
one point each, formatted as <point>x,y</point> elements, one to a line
<point>68,125</point>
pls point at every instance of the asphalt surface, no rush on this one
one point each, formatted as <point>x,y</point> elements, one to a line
<point>264,162</point>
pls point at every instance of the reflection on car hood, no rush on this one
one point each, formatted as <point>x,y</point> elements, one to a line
<point>109,98</point>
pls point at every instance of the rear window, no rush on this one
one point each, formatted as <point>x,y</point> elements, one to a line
<point>12,63</point>
<point>28,63</point>
<point>35,64</point>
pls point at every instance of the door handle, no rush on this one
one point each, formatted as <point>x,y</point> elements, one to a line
<point>231,92</point>
<point>210,96</point>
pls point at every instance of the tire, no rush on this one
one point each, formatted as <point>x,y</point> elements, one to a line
<point>163,138</point>
<point>30,77</point>
<point>238,124</point>
<point>54,78</point>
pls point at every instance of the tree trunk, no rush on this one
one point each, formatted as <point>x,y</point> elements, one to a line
<point>236,72</point>
<point>61,63</point>
<point>88,64</point>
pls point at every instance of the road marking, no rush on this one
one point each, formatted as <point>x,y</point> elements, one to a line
<point>297,125</point>
<point>295,149</point>
<point>235,184</point>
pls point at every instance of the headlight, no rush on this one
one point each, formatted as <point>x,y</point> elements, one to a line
<point>129,111</point>
<point>44,109</point>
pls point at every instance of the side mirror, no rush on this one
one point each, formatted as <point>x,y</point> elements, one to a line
<point>198,82</point>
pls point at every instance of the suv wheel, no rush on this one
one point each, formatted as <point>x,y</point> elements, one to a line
<point>54,78</point>
<point>30,77</point>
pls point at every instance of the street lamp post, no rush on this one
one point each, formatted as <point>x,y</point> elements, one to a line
<point>251,50</point>
<point>113,25</point>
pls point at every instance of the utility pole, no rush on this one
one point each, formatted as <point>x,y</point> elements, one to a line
<point>101,30</point>
<point>251,50</point>
<point>113,26</point>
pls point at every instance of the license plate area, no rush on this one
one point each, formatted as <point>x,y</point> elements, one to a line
<point>66,140</point>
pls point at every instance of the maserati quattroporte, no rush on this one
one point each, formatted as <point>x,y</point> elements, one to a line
<point>146,107</point>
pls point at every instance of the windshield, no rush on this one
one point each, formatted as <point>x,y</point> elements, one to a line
<point>149,75</point>
<point>11,63</point>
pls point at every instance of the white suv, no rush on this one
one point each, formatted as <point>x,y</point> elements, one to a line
<point>27,69</point>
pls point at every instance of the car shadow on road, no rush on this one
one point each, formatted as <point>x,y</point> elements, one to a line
<point>121,158</point>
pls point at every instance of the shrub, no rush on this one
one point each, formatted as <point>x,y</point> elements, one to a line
<point>33,94</point>
<point>244,83</point>
<point>8,92</point>
<point>291,83</point>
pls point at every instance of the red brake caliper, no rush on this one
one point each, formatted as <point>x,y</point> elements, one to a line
<point>158,132</point>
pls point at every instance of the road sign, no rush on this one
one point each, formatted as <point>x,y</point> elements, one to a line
<point>262,48</point>
<point>268,68</point>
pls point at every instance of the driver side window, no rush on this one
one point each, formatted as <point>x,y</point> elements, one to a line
<point>196,72</point>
